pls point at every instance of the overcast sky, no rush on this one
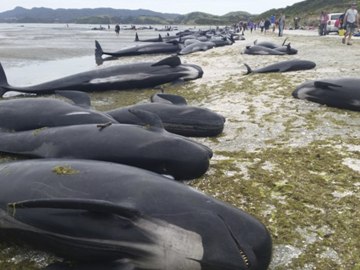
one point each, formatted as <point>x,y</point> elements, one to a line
<point>215,7</point>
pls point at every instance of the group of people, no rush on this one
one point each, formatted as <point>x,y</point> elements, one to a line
<point>264,25</point>
<point>348,21</point>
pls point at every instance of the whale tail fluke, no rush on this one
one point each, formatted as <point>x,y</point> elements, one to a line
<point>98,53</point>
<point>3,81</point>
<point>98,50</point>
<point>249,70</point>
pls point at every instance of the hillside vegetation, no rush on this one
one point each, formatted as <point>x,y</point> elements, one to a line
<point>308,11</point>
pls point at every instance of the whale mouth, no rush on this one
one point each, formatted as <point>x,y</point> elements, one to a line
<point>244,257</point>
<point>242,253</point>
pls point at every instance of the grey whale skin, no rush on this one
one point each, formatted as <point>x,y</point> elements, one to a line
<point>177,117</point>
<point>100,213</point>
<point>343,93</point>
<point>283,66</point>
<point>150,48</point>
<point>119,77</point>
<point>22,114</point>
<point>149,147</point>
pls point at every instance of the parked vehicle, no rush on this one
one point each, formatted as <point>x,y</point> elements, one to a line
<point>331,27</point>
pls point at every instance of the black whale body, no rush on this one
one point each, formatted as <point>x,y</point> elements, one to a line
<point>177,118</point>
<point>270,48</point>
<point>119,77</point>
<point>150,48</point>
<point>261,50</point>
<point>86,211</point>
<point>343,93</point>
<point>32,113</point>
<point>283,66</point>
<point>149,147</point>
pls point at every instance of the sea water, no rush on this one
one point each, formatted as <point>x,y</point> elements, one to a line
<point>35,53</point>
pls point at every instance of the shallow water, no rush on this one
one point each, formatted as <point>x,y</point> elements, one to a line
<point>34,53</point>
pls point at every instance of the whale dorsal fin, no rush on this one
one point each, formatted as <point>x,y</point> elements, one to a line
<point>171,61</point>
<point>149,119</point>
<point>168,98</point>
<point>79,98</point>
<point>90,205</point>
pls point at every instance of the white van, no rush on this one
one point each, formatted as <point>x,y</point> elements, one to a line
<point>331,22</point>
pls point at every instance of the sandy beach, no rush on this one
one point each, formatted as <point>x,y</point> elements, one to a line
<point>293,164</point>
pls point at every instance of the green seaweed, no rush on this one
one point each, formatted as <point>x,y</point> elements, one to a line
<point>64,170</point>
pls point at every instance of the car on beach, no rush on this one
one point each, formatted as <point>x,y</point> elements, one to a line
<point>331,22</point>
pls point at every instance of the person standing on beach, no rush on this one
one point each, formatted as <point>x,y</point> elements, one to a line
<point>323,23</point>
<point>117,29</point>
<point>351,21</point>
<point>267,24</point>
<point>273,22</point>
<point>281,24</point>
<point>261,25</point>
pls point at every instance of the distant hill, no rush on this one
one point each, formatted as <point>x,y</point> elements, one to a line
<point>200,18</point>
<point>122,16</point>
<point>308,11</point>
<point>105,15</point>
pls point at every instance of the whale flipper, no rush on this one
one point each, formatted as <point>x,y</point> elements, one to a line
<point>79,98</point>
<point>325,85</point>
<point>149,119</point>
<point>92,205</point>
<point>168,98</point>
<point>114,265</point>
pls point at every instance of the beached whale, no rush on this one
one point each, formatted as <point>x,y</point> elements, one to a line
<point>99,214</point>
<point>119,77</point>
<point>343,93</point>
<point>261,50</point>
<point>287,49</point>
<point>269,44</point>
<point>197,46</point>
<point>176,116</point>
<point>150,48</point>
<point>283,66</point>
<point>30,113</point>
<point>149,147</point>
<point>158,39</point>
<point>270,48</point>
